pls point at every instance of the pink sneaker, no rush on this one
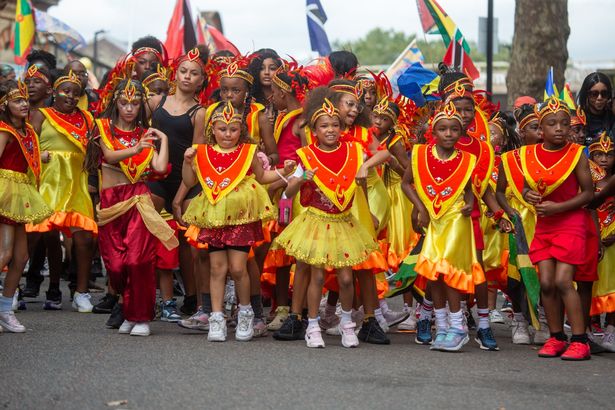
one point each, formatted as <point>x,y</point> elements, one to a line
<point>349,338</point>
<point>552,348</point>
<point>577,351</point>
<point>313,337</point>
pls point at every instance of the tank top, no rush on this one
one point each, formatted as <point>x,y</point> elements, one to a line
<point>179,130</point>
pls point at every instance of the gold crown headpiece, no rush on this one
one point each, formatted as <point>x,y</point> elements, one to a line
<point>552,106</point>
<point>579,118</point>
<point>68,78</point>
<point>527,119</point>
<point>227,115</point>
<point>193,56</point>
<point>34,72</point>
<point>447,112</point>
<point>604,144</point>
<point>355,90</point>
<point>129,92</point>
<point>237,69</point>
<point>21,92</point>
<point>327,108</point>
<point>159,75</point>
<point>279,82</point>
<point>384,108</point>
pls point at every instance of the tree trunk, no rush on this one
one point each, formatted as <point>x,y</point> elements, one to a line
<point>539,41</point>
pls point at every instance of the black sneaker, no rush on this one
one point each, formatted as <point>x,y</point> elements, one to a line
<point>292,329</point>
<point>371,332</point>
<point>470,320</point>
<point>106,304</point>
<point>116,318</point>
<point>53,301</point>
<point>33,287</point>
<point>190,306</point>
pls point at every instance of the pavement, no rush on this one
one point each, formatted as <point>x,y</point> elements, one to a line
<point>69,360</point>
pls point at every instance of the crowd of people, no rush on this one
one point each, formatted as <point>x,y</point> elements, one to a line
<point>315,190</point>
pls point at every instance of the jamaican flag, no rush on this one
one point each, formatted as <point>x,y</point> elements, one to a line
<point>403,280</point>
<point>523,284</point>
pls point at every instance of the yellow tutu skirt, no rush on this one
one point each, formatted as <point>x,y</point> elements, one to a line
<point>603,297</point>
<point>376,262</point>
<point>449,250</point>
<point>249,202</point>
<point>19,200</point>
<point>495,255</point>
<point>326,240</point>
<point>64,187</point>
<point>379,201</point>
<point>400,236</point>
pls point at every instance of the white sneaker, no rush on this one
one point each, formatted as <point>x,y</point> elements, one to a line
<point>245,326</point>
<point>15,304</point>
<point>608,341</point>
<point>126,327</point>
<point>217,328</point>
<point>81,302</point>
<point>10,322</point>
<point>496,317</point>
<point>384,325</point>
<point>394,318</point>
<point>520,333</point>
<point>140,329</point>
<point>313,337</point>
<point>410,323</point>
<point>541,336</point>
<point>349,338</point>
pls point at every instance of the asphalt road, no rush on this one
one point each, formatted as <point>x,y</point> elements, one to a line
<point>68,360</point>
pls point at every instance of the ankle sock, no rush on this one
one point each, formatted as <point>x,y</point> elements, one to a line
<point>441,322</point>
<point>313,322</point>
<point>245,308</point>
<point>579,338</point>
<point>346,316</point>
<point>561,336</point>
<point>257,305</point>
<point>426,311</point>
<point>483,318</point>
<point>379,316</point>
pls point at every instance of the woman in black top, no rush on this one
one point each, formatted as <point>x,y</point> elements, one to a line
<point>595,98</point>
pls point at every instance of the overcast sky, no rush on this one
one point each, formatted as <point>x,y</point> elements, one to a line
<point>281,24</point>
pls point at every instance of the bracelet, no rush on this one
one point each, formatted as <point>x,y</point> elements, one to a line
<point>498,215</point>
<point>282,177</point>
<point>304,176</point>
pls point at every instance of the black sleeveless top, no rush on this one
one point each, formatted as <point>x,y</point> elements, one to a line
<point>179,130</point>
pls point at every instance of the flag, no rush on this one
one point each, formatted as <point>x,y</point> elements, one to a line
<point>418,84</point>
<point>181,34</point>
<point>66,37</point>
<point>215,40</point>
<point>458,56</point>
<point>550,87</point>
<point>410,55</point>
<point>25,29</point>
<point>566,96</point>
<point>435,21</point>
<point>316,19</point>
<point>403,280</point>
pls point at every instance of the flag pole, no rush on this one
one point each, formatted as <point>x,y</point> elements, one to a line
<point>489,49</point>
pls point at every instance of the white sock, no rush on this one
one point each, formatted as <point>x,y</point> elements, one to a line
<point>313,322</point>
<point>379,316</point>
<point>483,318</point>
<point>383,305</point>
<point>519,317</point>
<point>457,319</point>
<point>346,316</point>
<point>426,311</point>
<point>245,308</point>
<point>441,322</point>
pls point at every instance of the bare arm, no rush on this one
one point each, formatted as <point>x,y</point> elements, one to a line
<point>500,193</point>
<point>113,157</point>
<point>199,127</point>
<point>378,158</point>
<point>4,141</point>
<point>266,176</point>
<point>401,155</point>
<point>188,173</point>
<point>161,158</point>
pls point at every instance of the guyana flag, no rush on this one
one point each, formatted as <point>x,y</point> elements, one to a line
<point>24,30</point>
<point>523,284</point>
<point>436,21</point>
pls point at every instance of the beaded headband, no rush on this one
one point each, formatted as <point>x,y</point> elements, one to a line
<point>604,144</point>
<point>159,75</point>
<point>354,90</point>
<point>129,92</point>
<point>552,106</point>
<point>234,71</point>
<point>34,72</point>
<point>227,115</point>
<point>140,51</point>
<point>579,118</point>
<point>448,112</point>
<point>327,108</point>
<point>21,92</point>
<point>384,108</point>
<point>279,82</point>
<point>69,78</point>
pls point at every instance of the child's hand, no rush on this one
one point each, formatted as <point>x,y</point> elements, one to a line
<point>309,174</point>
<point>505,225</point>
<point>547,208</point>
<point>156,133</point>
<point>362,172</point>
<point>289,166</point>
<point>45,156</point>
<point>467,210</point>
<point>532,197</point>
<point>146,141</point>
<point>422,219</point>
<point>189,155</point>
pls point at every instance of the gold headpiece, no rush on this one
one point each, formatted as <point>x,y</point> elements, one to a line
<point>68,78</point>
<point>159,75</point>
<point>279,82</point>
<point>579,118</point>
<point>604,144</point>
<point>384,108</point>
<point>144,50</point>
<point>462,88</point>
<point>21,92</point>
<point>527,119</point>
<point>366,83</point>
<point>552,106</point>
<point>226,115</point>
<point>129,92</point>
<point>233,70</point>
<point>496,121</point>
<point>448,112</point>
<point>34,72</point>
<point>327,108</point>
<point>193,56</point>
<point>354,90</point>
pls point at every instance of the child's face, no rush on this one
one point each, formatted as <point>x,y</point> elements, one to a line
<point>556,128</point>
<point>604,160</point>
<point>447,132</point>
<point>128,110</point>
<point>349,108</point>
<point>267,69</point>
<point>158,87</point>
<point>18,108</point>
<point>227,135</point>
<point>234,90</point>
<point>277,98</point>
<point>497,138</point>
<point>66,97</point>
<point>369,96</point>
<point>465,108</point>
<point>577,134</point>
<point>531,133</point>
<point>327,130</point>
<point>382,123</point>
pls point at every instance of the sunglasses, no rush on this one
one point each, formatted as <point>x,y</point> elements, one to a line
<point>601,93</point>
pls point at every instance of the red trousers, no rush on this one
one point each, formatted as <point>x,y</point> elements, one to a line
<point>128,250</point>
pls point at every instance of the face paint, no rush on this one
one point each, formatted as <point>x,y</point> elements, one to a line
<point>62,94</point>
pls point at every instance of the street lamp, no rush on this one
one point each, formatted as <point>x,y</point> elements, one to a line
<point>95,51</point>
